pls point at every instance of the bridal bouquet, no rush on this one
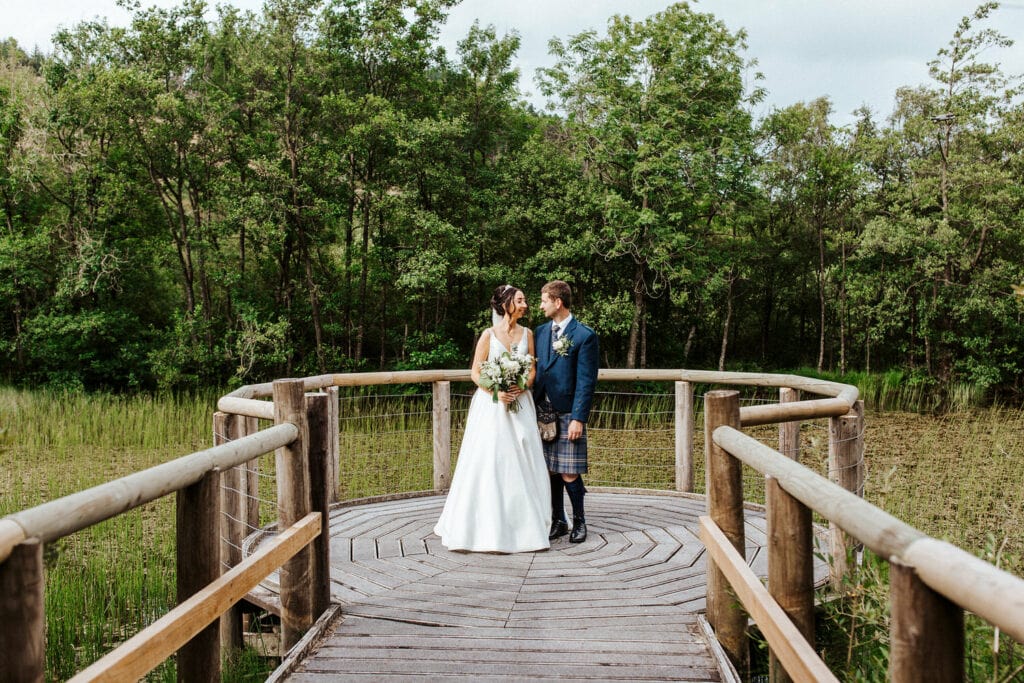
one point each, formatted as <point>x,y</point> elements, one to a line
<point>511,369</point>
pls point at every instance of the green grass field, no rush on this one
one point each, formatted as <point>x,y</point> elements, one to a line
<point>957,476</point>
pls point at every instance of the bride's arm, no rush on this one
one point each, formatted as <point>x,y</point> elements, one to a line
<point>480,355</point>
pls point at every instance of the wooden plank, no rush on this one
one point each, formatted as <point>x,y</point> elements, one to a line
<point>421,617</point>
<point>784,638</point>
<point>499,650</point>
<point>145,650</point>
<point>523,670</point>
<point>363,632</point>
<point>589,610</point>
<point>622,676</point>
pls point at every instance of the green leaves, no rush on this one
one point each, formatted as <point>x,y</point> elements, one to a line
<point>319,186</point>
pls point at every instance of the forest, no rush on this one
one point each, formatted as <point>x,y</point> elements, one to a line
<point>320,187</point>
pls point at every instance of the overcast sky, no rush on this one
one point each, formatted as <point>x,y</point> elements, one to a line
<point>855,51</point>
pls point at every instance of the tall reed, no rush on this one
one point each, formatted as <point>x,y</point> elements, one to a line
<point>108,582</point>
<point>958,476</point>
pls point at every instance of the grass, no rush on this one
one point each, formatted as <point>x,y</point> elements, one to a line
<point>107,582</point>
<point>956,475</point>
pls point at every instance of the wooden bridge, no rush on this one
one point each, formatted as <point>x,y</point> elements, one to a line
<point>365,590</point>
<point>599,610</point>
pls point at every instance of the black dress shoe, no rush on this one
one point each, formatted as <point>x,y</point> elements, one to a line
<point>559,528</point>
<point>579,531</point>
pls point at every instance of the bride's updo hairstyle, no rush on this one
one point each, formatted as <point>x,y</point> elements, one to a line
<point>502,299</point>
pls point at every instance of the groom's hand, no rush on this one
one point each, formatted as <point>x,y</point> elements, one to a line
<point>575,430</point>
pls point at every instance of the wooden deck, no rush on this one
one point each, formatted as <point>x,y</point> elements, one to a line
<point>622,606</point>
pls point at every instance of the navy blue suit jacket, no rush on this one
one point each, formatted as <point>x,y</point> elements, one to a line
<point>568,381</point>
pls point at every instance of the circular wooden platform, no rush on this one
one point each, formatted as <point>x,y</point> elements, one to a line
<point>622,605</point>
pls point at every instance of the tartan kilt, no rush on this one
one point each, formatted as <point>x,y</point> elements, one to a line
<point>564,456</point>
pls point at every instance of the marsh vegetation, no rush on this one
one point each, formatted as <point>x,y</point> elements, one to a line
<point>957,476</point>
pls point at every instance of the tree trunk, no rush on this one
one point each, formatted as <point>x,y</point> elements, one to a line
<point>842,312</point>
<point>689,343</point>
<point>383,322</point>
<point>363,274</point>
<point>643,342</point>
<point>728,320</point>
<point>349,228</point>
<point>314,309</point>
<point>18,346</point>
<point>638,314</point>
<point>821,296</point>
<point>767,309</point>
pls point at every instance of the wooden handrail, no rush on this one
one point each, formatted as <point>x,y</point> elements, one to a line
<point>58,518</point>
<point>144,651</point>
<point>991,593</point>
<point>784,638</point>
<point>244,400</point>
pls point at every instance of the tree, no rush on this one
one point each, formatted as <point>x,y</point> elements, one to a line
<point>810,177</point>
<point>947,226</point>
<point>656,111</point>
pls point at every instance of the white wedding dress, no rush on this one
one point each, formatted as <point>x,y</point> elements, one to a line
<point>500,498</point>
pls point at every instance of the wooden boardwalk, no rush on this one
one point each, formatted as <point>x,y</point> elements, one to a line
<point>622,606</point>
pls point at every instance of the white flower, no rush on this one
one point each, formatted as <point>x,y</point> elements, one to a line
<point>510,370</point>
<point>562,346</point>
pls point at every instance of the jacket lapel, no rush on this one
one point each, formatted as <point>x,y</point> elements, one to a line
<point>544,339</point>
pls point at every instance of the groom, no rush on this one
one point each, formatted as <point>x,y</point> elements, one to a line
<point>567,359</point>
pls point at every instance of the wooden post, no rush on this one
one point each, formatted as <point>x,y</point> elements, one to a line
<point>22,637</point>
<point>845,448</point>
<point>790,546</point>
<point>684,437</point>
<point>926,631</point>
<point>293,504</point>
<point>252,480</point>
<point>334,455</point>
<point>318,414</point>
<point>725,507</point>
<point>789,432</point>
<point>232,529</point>
<point>442,436</point>
<point>198,551</point>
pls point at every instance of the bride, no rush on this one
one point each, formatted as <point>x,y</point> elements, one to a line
<point>499,500</point>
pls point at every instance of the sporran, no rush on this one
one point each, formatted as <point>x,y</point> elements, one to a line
<point>547,421</point>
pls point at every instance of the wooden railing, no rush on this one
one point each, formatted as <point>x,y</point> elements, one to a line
<point>931,581</point>
<point>305,440</point>
<point>301,442</point>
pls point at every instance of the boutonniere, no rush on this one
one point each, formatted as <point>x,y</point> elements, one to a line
<point>562,346</point>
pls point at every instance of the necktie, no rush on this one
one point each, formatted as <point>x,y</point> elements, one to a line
<point>555,330</point>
